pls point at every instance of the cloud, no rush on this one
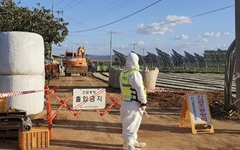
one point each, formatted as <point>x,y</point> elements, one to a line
<point>200,39</point>
<point>182,37</point>
<point>212,34</point>
<point>204,38</point>
<point>141,43</point>
<point>218,34</point>
<point>135,44</point>
<point>77,44</point>
<point>227,33</point>
<point>154,28</point>
<point>174,20</point>
<point>163,26</point>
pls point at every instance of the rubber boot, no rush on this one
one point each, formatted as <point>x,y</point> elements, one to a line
<point>139,144</point>
<point>129,146</point>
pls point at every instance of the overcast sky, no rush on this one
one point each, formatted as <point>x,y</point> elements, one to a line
<point>143,25</point>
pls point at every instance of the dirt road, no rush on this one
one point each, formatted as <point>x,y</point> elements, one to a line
<point>90,131</point>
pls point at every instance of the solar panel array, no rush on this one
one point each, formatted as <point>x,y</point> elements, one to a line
<point>221,58</point>
<point>201,61</point>
<point>179,59</point>
<point>191,60</point>
<point>167,60</point>
<point>120,58</point>
<point>155,60</point>
<point>212,60</point>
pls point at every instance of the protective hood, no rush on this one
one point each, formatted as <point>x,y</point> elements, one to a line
<point>132,61</point>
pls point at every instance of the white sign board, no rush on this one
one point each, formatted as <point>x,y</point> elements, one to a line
<point>89,98</point>
<point>199,109</point>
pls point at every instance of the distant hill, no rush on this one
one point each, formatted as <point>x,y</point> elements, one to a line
<point>100,57</point>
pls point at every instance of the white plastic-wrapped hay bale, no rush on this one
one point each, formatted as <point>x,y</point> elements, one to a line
<point>32,103</point>
<point>21,53</point>
<point>150,78</point>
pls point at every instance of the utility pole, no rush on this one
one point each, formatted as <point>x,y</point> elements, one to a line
<point>51,44</point>
<point>134,46</point>
<point>111,32</point>
<point>53,7</point>
<point>143,50</point>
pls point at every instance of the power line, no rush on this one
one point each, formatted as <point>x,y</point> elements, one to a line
<point>194,16</point>
<point>59,2</point>
<point>77,23</point>
<point>68,4</point>
<point>121,18</point>
<point>108,11</point>
<point>174,21</point>
<point>73,5</point>
<point>97,11</point>
<point>212,11</point>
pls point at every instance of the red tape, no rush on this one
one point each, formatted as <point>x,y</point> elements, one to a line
<point>167,90</point>
<point>11,94</point>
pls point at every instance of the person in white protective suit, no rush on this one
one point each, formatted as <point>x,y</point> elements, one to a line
<point>133,104</point>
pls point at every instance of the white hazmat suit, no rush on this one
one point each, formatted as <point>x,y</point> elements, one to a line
<point>131,112</point>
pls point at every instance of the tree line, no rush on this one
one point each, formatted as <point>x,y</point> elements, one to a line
<point>40,20</point>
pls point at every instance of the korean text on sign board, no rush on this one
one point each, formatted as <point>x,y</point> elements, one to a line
<point>89,98</point>
<point>199,108</point>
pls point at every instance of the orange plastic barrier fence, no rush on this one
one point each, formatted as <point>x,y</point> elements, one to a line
<point>63,103</point>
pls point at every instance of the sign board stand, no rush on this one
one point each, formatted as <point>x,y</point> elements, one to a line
<point>196,109</point>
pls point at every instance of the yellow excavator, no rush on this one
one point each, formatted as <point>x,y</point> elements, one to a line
<point>75,62</point>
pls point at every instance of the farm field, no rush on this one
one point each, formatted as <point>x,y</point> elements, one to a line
<point>196,81</point>
<point>90,131</point>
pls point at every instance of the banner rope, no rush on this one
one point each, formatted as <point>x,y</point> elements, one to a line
<point>11,94</point>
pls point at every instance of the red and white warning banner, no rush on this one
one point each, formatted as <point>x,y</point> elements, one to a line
<point>166,90</point>
<point>11,94</point>
<point>162,90</point>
